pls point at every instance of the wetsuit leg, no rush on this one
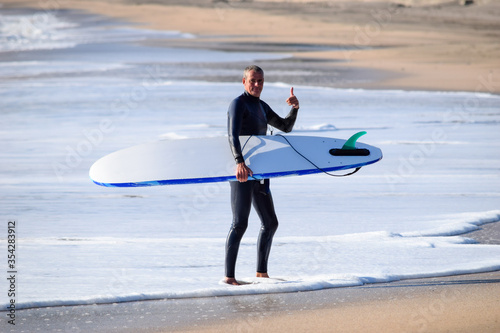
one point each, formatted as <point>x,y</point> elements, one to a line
<point>263,204</point>
<point>241,202</point>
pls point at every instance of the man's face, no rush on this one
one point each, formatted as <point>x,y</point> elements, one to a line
<point>254,83</point>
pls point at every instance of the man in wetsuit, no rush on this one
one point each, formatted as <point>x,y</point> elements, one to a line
<point>248,115</point>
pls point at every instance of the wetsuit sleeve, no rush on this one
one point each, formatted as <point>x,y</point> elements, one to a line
<point>234,123</point>
<point>283,124</point>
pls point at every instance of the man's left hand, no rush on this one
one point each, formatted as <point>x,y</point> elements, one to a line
<point>292,100</point>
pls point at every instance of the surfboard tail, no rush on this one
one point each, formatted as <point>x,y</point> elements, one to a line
<point>349,147</point>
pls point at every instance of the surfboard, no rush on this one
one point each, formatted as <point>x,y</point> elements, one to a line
<point>206,160</point>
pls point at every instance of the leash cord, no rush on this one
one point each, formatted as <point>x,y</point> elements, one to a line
<point>317,167</point>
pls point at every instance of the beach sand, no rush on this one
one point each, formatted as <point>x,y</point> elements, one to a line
<point>460,303</point>
<point>405,44</point>
<point>354,44</point>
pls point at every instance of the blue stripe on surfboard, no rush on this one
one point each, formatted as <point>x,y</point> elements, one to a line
<point>232,178</point>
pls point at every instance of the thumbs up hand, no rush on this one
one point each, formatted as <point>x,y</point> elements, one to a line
<point>292,100</point>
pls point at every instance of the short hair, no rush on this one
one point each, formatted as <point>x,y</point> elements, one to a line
<point>254,68</point>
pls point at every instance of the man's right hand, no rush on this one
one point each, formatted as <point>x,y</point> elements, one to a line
<point>242,172</point>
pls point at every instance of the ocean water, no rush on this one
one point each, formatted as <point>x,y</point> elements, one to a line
<point>75,87</point>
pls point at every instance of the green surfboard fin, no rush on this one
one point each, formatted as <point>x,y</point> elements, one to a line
<point>351,142</point>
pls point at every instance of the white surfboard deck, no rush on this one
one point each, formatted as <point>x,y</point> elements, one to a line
<point>205,160</point>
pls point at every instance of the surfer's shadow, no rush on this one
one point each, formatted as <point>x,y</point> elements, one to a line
<point>256,156</point>
<point>252,150</point>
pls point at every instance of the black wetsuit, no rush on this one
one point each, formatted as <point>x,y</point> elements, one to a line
<point>248,115</point>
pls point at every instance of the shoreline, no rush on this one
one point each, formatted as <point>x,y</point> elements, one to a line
<point>456,303</point>
<point>415,305</point>
<point>383,45</point>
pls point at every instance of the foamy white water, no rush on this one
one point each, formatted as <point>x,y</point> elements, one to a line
<point>64,107</point>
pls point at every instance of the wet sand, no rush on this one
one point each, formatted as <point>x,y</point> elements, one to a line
<point>460,303</point>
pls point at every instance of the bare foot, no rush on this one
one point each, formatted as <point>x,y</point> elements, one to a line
<point>231,281</point>
<point>262,275</point>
